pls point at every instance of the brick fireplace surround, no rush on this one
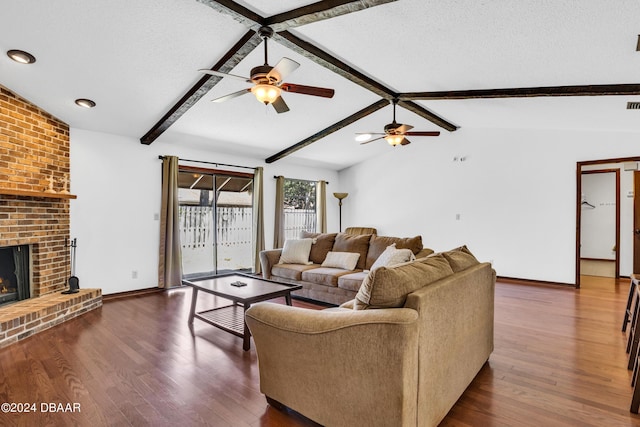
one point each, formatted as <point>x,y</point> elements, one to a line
<point>34,146</point>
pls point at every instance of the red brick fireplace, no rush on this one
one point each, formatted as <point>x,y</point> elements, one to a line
<point>34,147</point>
<point>34,156</point>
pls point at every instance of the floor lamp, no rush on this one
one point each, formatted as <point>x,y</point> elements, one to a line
<point>340,196</point>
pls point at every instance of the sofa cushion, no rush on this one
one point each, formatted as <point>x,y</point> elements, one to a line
<point>343,260</point>
<point>322,246</point>
<point>387,287</point>
<point>352,281</point>
<point>353,243</point>
<point>460,258</point>
<point>392,256</point>
<point>324,275</point>
<point>291,271</point>
<point>296,251</point>
<point>378,244</point>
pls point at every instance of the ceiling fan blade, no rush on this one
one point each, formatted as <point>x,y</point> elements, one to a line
<point>219,74</point>
<point>280,106</point>
<point>428,133</point>
<point>371,140</point>
<point>231,95</point>
<point>283,68</point>
<point>405,141</point>
<point>403,128</point>
<point>308,90</point>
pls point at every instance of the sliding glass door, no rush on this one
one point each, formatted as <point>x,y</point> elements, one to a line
<point>216,217</point>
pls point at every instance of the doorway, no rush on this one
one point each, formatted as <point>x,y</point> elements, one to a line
<point>216,221</point>
<point>600,223</point>
<point>622,252</point>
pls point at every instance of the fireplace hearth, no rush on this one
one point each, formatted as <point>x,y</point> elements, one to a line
<point>15,273</point>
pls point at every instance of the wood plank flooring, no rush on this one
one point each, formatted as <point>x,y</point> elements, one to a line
<point>559,360</point>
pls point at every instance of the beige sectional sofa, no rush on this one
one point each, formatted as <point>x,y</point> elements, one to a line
<point>400,354</point>
<point>329,284</point>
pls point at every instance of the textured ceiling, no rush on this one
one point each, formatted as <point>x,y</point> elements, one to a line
<point>136,59</point>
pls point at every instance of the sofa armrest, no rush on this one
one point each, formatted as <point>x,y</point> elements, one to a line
<point>268,259</point>
<point>361,364</point>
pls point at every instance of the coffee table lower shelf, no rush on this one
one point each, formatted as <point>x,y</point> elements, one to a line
<point>229,318</point>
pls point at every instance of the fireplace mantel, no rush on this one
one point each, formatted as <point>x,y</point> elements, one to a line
<point>35,194</point>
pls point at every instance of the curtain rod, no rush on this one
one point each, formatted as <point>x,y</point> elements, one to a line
<point>295,179</point>
<point>210,163</point>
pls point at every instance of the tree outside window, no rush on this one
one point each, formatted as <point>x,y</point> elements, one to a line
<point>299,207</point>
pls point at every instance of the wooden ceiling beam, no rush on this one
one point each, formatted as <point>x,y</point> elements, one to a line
<point>329,130</point>
<point>238,12</point>
<point>332,63</point>
<point>319,11</point>
<point>237,53</point>
<point>527,92</point>
<point>429,115</point>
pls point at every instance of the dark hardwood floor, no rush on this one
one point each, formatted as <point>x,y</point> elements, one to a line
<point>559,360</point>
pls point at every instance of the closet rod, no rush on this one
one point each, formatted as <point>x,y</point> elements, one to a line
<point>210,163</point>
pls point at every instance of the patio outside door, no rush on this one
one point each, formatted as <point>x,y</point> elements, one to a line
<point>216,220</point>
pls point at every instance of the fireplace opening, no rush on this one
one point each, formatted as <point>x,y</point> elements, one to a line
<point>15,276</point>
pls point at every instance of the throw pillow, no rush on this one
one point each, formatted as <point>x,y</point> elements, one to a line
<point>387,287</point>
<point>343,260</point>
<point>353,243</point>
<point>392,256</point>
<point>296,252</point>
<point>378,244</point>
<point>322,246</point>
<point>460,258</point>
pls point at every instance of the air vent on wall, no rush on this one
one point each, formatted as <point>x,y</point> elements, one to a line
<point>633,105</point>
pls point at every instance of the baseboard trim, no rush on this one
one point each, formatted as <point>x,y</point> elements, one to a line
<point>131,294</point>
<point>517,281</point>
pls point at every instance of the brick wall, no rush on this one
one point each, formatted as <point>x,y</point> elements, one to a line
<point>34,146</point>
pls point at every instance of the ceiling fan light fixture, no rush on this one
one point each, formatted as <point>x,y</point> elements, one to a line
<point>265,93</point>
<point>394,139</point>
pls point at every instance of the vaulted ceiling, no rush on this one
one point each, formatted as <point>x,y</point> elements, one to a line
<point>455,64</point>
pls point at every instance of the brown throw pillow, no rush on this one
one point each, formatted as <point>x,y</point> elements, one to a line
<point>353,243</point>
<point>388,287</point>
<point>322,246</point>
<point>460,258</point>
<point>378,244</point>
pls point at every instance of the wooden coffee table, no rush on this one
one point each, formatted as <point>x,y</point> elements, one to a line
<point>230,318</point>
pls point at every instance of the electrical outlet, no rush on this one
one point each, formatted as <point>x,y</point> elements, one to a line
<point>457,217</point>
<point>156,216</point>
<point>134,274</point>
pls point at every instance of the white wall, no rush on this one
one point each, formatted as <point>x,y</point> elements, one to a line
<point>515,194</point>
<point>117,181</point>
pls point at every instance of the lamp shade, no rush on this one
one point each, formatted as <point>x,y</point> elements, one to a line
<point>340,196</point>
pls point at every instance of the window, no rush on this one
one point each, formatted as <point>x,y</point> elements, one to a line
<point>299,207</point>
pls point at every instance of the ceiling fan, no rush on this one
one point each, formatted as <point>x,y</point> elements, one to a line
<point>394,133</point>
<point>267,80</point>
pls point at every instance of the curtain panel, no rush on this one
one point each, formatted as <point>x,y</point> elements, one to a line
<point>258,218</point>
<point>321,206</point>
<point>170,259</point>
<point>278,228</point>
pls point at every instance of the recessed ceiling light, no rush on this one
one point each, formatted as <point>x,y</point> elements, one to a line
<point>21,56</point>
<point>85,103</point>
